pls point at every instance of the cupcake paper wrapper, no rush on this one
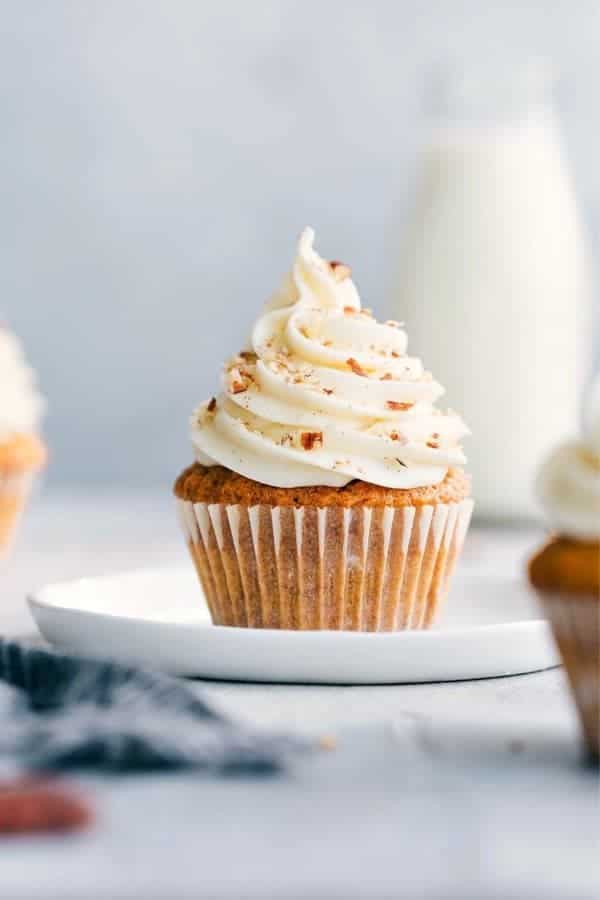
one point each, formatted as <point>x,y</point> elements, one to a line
<point>14,492</point>
<point>307,568</point>
<point>576,625</point>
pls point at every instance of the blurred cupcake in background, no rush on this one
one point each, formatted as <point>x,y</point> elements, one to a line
<point>566,571</point>
<point>22,453</point>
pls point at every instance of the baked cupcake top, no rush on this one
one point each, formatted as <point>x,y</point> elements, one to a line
<point>324,394</point>
<point>568,483</point>
<point>21,405</point>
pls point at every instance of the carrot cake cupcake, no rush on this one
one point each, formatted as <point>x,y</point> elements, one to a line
<point>566,571</point>
<point>327,491</point>
<point>21,450</point>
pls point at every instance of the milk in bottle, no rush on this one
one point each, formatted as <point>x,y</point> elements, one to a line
<point>493,285</point>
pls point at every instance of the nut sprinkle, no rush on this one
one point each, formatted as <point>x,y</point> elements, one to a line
<point>356,367</point>
<point>397,406</point>
<point>396,436</point>
<point>311,439</point>
<point>339,270</point>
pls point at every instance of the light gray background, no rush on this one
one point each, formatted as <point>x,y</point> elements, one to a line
<point>158,159</point>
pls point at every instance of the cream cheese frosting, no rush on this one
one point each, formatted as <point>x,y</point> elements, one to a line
<point>21,405</point>
<point>325,394</point>
<point>568,483</point>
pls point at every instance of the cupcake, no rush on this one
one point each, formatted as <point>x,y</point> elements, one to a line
<point>566,571</point>
<point>22,453</point>
<point>327,491</point>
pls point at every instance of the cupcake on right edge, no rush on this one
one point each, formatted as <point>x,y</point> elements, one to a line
<point>566,571</point>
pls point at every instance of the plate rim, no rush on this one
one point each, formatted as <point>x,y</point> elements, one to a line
<point>36,600</point>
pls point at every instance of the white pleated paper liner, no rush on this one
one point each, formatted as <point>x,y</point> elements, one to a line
<point>15,488</point>
<point>357,569</point>
<point>575,622</point>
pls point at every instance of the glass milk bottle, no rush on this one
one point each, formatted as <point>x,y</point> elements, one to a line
<point>493,280</point>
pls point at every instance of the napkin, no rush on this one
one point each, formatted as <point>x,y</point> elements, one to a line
<point>60,712</point>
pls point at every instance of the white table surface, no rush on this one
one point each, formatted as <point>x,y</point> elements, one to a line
<point>464,790</point>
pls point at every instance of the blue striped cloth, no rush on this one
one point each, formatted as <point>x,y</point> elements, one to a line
<point>62,712</point>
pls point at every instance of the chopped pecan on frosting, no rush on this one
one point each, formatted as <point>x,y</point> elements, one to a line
<point>340,270</point>
<point>356,367</point>
<point>311,439</point>
<point>304,376</point>
<point>396,436</point>
<point>397,406</point>
<point>212,405</point>
<point>238,381</point>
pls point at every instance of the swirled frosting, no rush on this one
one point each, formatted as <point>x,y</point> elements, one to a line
<point>568,483</point>
<point>325,394</point>
<point>21,405</point>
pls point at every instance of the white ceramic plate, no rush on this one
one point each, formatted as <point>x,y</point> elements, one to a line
<point>158,618</point>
